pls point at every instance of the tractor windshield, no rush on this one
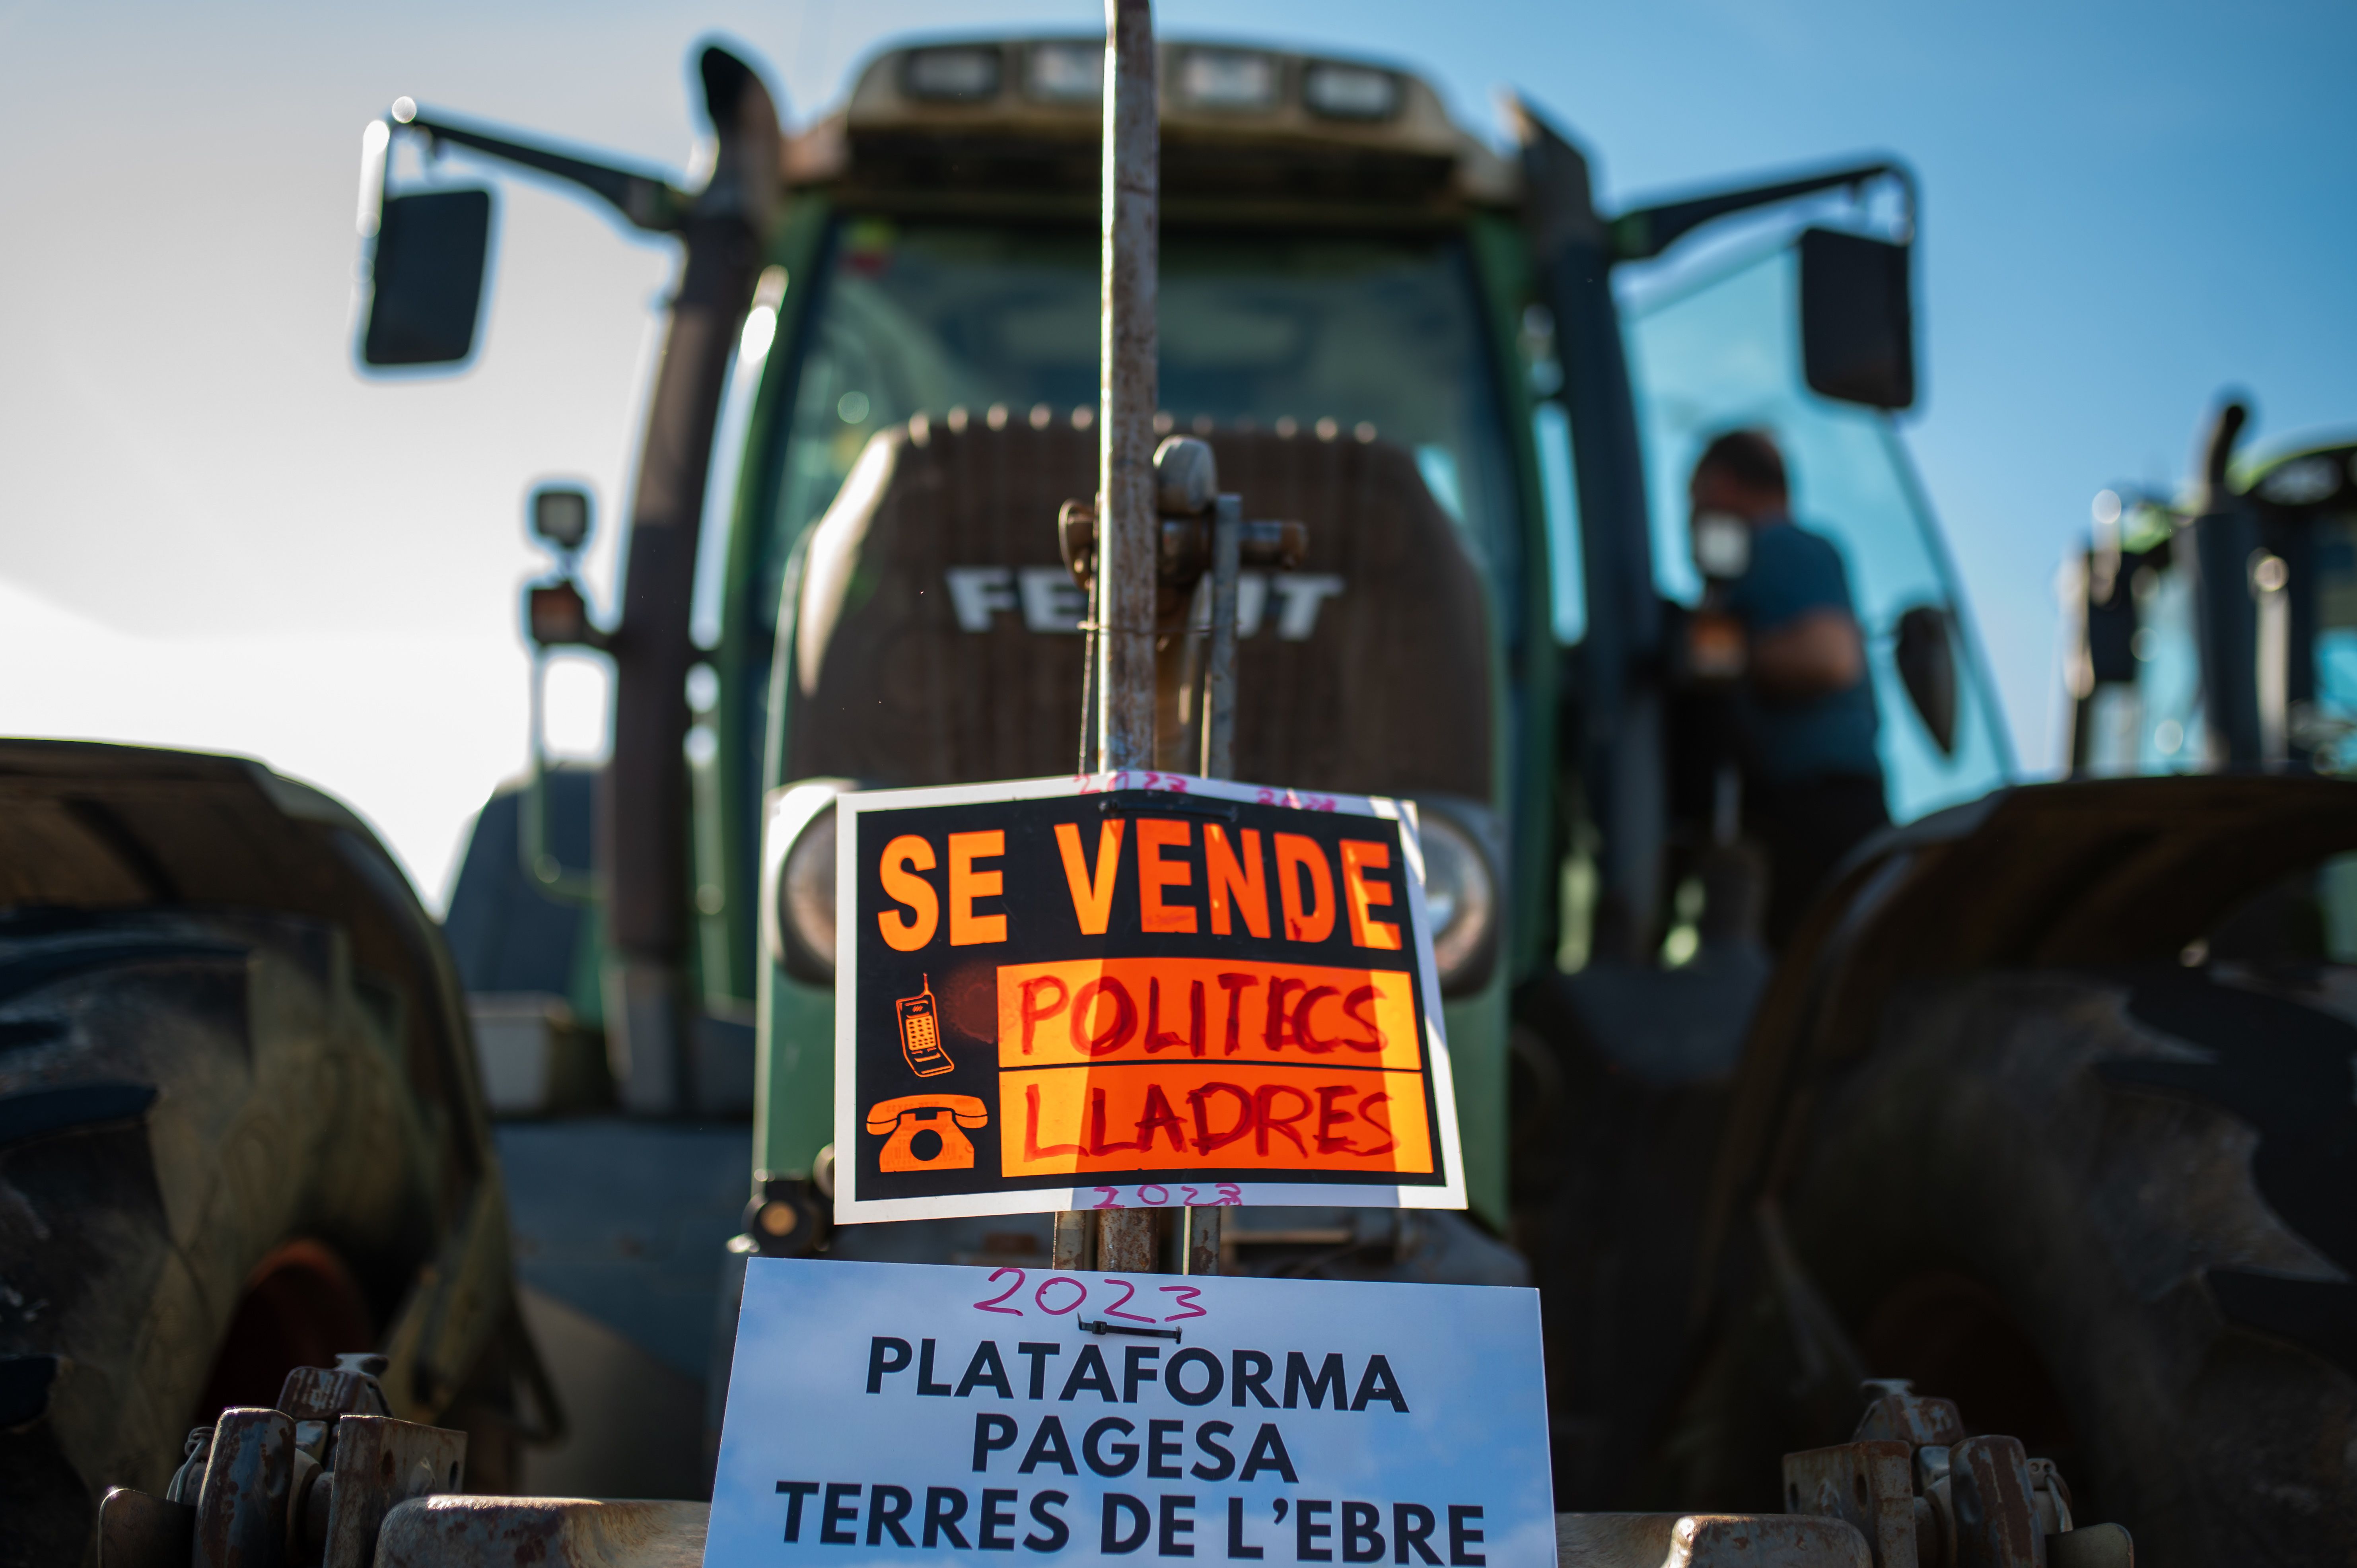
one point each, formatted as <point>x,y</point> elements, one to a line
<point>1338,337</point>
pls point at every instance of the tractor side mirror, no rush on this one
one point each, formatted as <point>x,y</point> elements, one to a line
<point>1926,656</point>
<point>425,278</point>
<point>1857,320</point>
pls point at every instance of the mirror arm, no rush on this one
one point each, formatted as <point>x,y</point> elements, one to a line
<point>1647,231</point>
<point>644,200</point>
<point>551,876</point>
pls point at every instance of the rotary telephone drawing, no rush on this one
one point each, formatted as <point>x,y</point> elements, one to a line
<point>940,1118</point>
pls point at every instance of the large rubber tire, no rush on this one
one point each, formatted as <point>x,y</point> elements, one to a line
<point>2112,1215</point>
<point>211,1167</point>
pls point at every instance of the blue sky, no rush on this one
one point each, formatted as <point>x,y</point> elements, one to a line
<point>216,533</point>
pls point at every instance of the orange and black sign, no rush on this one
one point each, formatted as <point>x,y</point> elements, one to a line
<point>1087,993</point>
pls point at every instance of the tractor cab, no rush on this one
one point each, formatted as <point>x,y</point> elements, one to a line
<point>1338,310</point>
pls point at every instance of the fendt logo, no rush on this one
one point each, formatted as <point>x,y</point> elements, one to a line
<point>1050,601</point>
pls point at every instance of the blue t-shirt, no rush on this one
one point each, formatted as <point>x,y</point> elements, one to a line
<point>1792,573</point>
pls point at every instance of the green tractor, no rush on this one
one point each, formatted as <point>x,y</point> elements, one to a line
<point>1980,1123</point>
<point>1383,330</point>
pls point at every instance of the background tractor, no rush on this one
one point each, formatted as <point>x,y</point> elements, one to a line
<point>2220,629</point>
<point>1992,1119</point>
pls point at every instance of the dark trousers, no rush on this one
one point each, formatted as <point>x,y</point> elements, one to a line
<point>1807,826</point>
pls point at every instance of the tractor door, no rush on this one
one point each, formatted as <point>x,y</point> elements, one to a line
<point>1716,346</point>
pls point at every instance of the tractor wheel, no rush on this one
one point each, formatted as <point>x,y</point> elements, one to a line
<point>2111,1215</point>
<point>212,1169</point>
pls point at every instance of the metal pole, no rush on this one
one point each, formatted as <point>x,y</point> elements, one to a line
<point>1126,515</point>
<point>1220,677</point>
<point>540,863</point>
<point>1127,526</point>
<point>1089,686</point>
<point>1201,1254</point>
<point>1125,484</point>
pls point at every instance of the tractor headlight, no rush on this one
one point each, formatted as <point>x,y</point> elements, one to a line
<point>797,878</point>
<point>1461,895</point>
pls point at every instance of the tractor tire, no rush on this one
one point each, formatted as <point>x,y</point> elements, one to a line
<point>2110,1214</point>
<point>213,1169</point>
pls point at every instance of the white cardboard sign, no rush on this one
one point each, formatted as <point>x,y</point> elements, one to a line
<point>922,1414</point>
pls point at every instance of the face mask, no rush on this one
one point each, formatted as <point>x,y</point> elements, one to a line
<point>1722,545</point>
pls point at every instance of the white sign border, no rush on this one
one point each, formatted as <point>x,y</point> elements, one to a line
<point>850,1209</point>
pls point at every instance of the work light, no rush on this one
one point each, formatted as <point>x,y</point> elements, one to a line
<point>1227,79</point>
<point>1066,71</point>
<point>1350,91</point>
<point>963,74</point>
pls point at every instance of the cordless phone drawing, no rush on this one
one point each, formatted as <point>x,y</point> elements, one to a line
<point>920,1034</point>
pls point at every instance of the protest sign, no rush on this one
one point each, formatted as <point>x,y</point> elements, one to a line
<point>882,1412</point>
<point>1133,990</point>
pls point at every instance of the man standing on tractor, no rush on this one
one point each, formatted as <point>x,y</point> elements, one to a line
<point>1806,712</point>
